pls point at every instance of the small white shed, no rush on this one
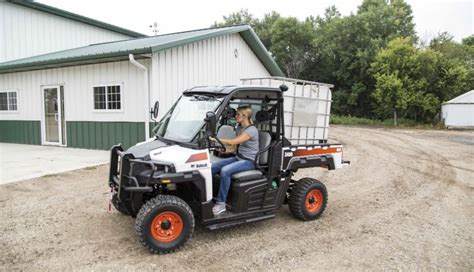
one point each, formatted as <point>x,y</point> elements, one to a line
<point>459,112</point>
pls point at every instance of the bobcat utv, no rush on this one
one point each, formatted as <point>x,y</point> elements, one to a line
<point>166,181</point>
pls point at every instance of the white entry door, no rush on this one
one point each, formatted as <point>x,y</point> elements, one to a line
<point>53,119</point>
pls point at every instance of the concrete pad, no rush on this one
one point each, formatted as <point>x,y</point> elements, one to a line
<point>20,162</point>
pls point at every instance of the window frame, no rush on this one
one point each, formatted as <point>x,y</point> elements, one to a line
<point>106,110</point>
<point>8,101</point>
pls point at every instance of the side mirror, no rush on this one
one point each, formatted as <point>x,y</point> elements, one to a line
<point>154,111</point>
<point>283,88</point>
<point>210,123</point>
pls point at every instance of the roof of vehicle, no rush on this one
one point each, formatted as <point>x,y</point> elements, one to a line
<point>225,90</point>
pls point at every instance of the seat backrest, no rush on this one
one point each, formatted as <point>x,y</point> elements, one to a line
<point>226,132</point>
<point>262,117</point>
<point>264,140</point>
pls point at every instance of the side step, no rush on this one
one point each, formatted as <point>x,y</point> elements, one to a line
<point>239,222</point>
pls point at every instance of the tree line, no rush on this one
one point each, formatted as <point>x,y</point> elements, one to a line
<point>374,58</point>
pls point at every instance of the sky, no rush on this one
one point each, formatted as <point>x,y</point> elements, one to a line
<point>430,16</point>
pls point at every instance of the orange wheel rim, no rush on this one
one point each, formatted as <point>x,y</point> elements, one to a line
<point>314,201</point>
<point>166,227</point>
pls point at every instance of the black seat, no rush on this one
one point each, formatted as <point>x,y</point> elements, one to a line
<point>264,140</point>
<point>247,175</point>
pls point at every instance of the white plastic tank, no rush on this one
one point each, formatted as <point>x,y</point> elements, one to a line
<point>307,107</point>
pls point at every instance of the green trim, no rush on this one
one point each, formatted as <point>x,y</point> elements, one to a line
<point>75,17</point>
<point>20,132</point>
<point>261,52</point>
<point>80,134</point>
<point>67,62</point>
<point>103,135</point>
<point>199,37</point>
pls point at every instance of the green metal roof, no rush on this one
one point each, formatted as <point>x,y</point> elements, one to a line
<point>69,15</point>
<point>114,51</point>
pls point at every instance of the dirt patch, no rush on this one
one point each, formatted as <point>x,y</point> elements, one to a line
<point>406,202</point>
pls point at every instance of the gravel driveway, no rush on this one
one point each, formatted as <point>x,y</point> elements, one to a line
<point>406,202</point>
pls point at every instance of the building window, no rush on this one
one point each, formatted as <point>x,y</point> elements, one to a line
<point>107,97</point>
<point>8,101</point>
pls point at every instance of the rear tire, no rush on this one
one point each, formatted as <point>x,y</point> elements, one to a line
<point>308,199</point>
<point>118,205</point>
<point>164,224</point>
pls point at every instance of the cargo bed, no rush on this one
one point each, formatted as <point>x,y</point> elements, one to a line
<point>307,108</point>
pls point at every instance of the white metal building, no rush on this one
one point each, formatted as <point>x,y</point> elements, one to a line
<point>98,95</point>
<point>459,112</point>
<point>30,28</point>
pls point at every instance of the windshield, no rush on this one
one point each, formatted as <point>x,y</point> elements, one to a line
<point>186,118</point>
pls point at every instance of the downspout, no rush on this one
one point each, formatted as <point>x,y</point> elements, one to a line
<point>147,96</point>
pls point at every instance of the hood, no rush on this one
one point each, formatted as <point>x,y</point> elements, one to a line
<point>142,150</point>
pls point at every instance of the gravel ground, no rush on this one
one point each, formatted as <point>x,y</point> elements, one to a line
<point>406,202</point>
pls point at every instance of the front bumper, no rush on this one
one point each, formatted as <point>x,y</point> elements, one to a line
<point>135,175</point>
<point>122,172</point>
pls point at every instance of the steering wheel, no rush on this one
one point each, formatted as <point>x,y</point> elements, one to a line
<point>222,145</point>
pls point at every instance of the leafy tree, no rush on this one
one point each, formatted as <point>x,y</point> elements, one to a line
<point>263,28</point>
<point>391,95</point>
<point>345,47</point>
<point>370,57</point>
<point>469,41</point>
<point>445,44</point>
<point>330,13</point>
<point>241,17</point>
<point>291,42</point>
<point>412,83</point>
<point>456,54</point>
<point>324,48</point>
<point>244,17</point>
<point>394,87</point>
<point>454,77</point>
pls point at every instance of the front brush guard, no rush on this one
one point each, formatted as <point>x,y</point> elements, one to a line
<point>123,183</point>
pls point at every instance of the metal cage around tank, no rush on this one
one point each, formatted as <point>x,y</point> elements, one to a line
<point>307,108</point>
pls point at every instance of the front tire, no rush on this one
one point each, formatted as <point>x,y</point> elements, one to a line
<point>308,199</point>
<point>164,224</point>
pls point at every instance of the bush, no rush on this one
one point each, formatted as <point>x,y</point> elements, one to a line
<point>402,123</point>
<point>351,120</point>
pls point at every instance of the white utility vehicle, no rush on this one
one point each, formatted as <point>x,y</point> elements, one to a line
<point>166,181</point>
